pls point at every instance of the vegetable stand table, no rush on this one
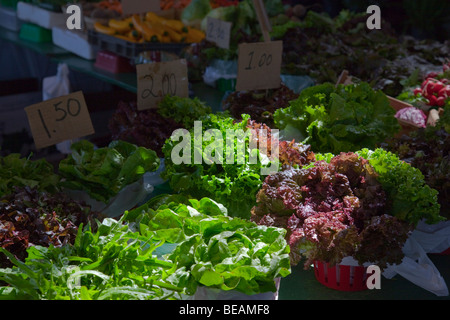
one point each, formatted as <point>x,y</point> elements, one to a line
<point>127,81</point>
<point>302,285</point>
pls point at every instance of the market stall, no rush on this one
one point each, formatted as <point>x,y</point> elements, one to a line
<point>222,150</point>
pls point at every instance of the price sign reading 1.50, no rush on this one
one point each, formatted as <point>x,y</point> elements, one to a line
<point>158,79</point>
<point>59,119</point>
<point>259,65</point>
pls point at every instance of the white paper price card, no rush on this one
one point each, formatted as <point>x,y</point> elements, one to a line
<point>140,6</point>
<point>259,65</point>
<point>218,31</point>
<point>158,79</point>
<point>59,119</point>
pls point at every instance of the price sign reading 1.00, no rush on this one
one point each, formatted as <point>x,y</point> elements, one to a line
<point>259,65</point>
<point>59,119</point>
<point>158,79</point>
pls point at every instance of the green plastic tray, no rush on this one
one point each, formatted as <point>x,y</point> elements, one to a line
<point>35,33</point>
<point>225,85</point>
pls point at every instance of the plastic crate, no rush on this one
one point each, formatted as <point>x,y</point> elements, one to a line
<point>444,253</point>
<point>225,85</point>
<point>113,63</point>
<point>73,41</point>
<point>35,33</point>
<point>42,17</point>
<point>9,4</point>
<point>129,49</point>
<point>9,19</point>
<point>341,277</point>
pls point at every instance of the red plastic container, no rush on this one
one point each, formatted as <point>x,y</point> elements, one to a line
<point>113,63</point>
<point>341,277</point>
<point>445,252</point>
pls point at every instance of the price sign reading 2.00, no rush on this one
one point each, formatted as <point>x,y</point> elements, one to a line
<point>259,65</point>
<point>59,119</point>
<point>158,79</point>
<point>168,86</point>
<point>218,31</point>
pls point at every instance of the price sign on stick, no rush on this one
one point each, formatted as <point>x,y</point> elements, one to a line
<point>59,119</point>
<point>218,31</point>
<point>158,79</point>
<point>259,66</point>
<point>140,6</point>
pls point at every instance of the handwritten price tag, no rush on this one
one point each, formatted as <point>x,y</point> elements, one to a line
<point>218,31</point>
<point>158,79</point>
<point>259,66</point>
<point>59,119</point>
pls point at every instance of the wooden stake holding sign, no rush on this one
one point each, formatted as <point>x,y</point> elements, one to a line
<point>263,19</point>
<point>259,64</point>
<point>158,79</point>
<point>59,119</point>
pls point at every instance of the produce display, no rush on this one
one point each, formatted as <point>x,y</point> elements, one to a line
<point>215,250</point>
<point>103,172</point>
<point>183,202</point>
<point>150,28</point>
<point>105,9</point>
<point>339,118</point>
<point>428,150</point>
<point>245,29</point>
<point>352,204</point>
<point>16,171</point>
<point>432,94</point>
<point>109,264</point>
<point>321,47</point>
<point>150,128</point>
<point>119,260</point>
<point>30,218</point>
<point>234,184</point>
<point>260,105</point>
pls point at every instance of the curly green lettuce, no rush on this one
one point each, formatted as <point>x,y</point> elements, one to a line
<point>410,198</point>
<point>232,183</point>
<point>341,118</point>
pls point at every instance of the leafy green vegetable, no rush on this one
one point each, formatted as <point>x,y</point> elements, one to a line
<point>195,11</point>
<point>411,199</point>
<point>233,185</point>
<point>120,260</point>
<point>114,263</point>
<point>20,172</point>
<point>215,250</point>
<point>332,210</point>
<point>321,47</point>
<point>103,172</point>
<point>29,217</point>
<point>338,118</point>
<point>183,110</point>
